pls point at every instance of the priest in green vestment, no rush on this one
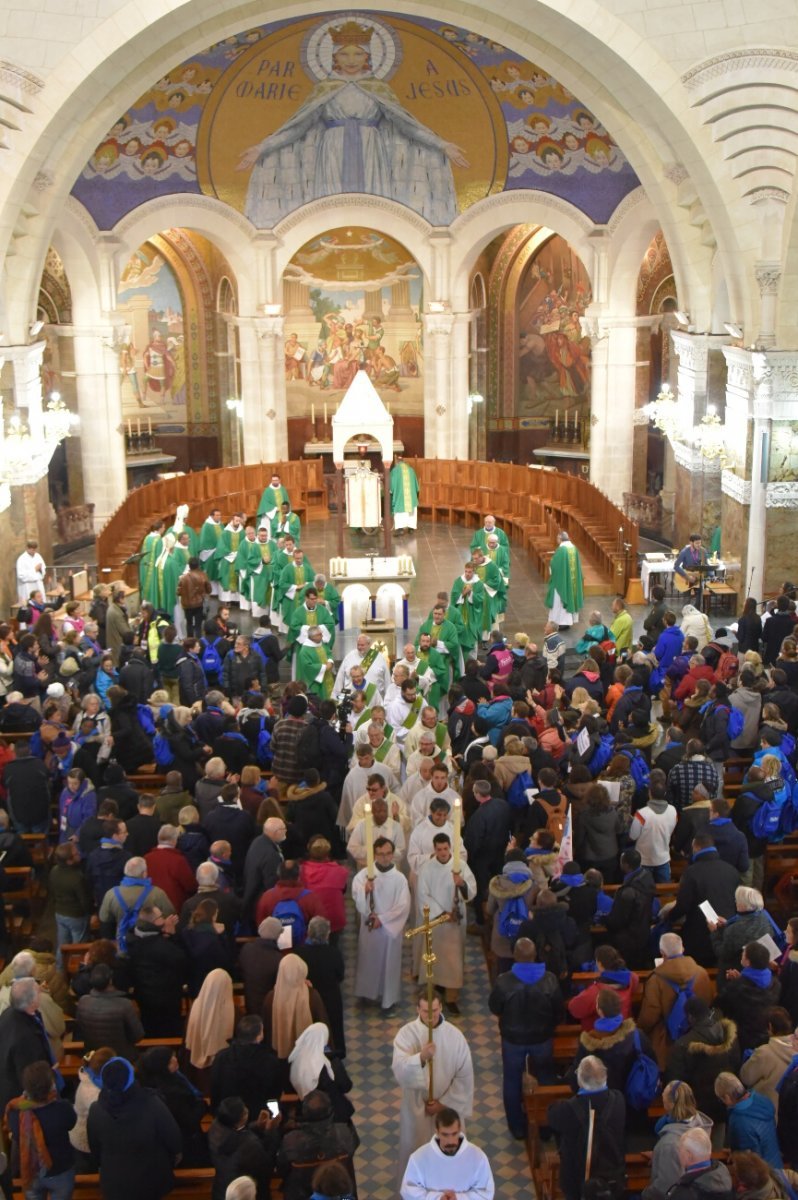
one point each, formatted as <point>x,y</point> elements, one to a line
<point>231,538</point>
<point>307,613</point>
<point>327,592</point>
<point>565,596</point>
<point>440,665</point>
<point>262,582</point>
<point>287,523</point>
<point>468,595</point>
<point>247,563</point>
<point>169,566</point>
<point>490,577</point>
<point>150,549</point>
<point>404,496</point>
<point>293,577</point>
<point>443,635</point>
<point>210,535</point>
<point>500,555</point>
<point>314,664</point>
<point>273,496</point>
<point>180,526</point>
<point>481,536</point>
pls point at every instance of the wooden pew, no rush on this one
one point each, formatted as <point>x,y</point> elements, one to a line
<point>191,1183</point>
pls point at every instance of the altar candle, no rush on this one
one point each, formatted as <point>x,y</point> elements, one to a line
<point>457,810</point>
<point>388,407</point>
<point>313,414</point>
<point>129,428</point>
<point>149,427</point>
<point>574,419</point>
<point>369,841</point>
<point>138,426</point>
<point>556,417</point>
<point>325,412</point>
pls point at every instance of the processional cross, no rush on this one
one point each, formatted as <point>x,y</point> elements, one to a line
<point>428,958</point>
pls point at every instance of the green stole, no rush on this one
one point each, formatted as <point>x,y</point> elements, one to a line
<point>412,716</point>
<point>327,682</point>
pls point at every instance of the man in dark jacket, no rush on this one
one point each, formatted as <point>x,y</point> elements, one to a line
<point>247,1068</point>
<point>707,878</point>
<point>116,786</point>
<point>730,843</point>
<point>698,1056</point>
<point>228,822</point>
<point>191,681</point>
<point>13,851</point>
<point>629,920</point>
<point>570,1120</point>
<point>326,973</point>
<point>758,789</point>
<point>22,1038</point>
<point>334,751</point>
<point>263,862</point>
<point>528,1002</point>
<point>158,970</point>
<point>259,963</point>
<point>132,746</point>
<point>715,727</point>
<point>27,785</point>
<point>106,865</point>
<point>317,1135</point>
<point>138,677</point>
<point>240,667</point>
<point>208,888</point>
<point>107,1017</point>
<point>634,698</point>
<point>192,588</point>
<point>485,839</point>
<point>142,830</point>
<point>749,994</point>
<point>673,751</point>
<point>553,932</point>
<point>777,627</point>
<point>702,1178</point>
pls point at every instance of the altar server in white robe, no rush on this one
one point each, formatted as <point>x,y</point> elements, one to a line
<point>384,826</point>
<point>444,890</point>
<point>437,786</point>
<point>384,906</point>
<point>452,1076</point>
<point>356,782</point>
<point>448,1167</point>
<point>373,662</point>
<point>420,848</point>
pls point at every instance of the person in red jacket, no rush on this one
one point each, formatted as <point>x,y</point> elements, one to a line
<point>288,887</point>
<point>699,669</point>
<point>612,973</point>
<point>168,868</point>
<point>328,880</point>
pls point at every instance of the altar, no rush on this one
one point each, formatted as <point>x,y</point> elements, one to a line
<point>373,587</point>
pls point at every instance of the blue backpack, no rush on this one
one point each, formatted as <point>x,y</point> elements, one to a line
<point>766,822</point>
<point>642,1082</point>
<point>146,720</point>
<point>602,754</point>
<point>291,916</point>
<point>513,914</point>
<point>676,1021</point>
<point>127,922</point>
<point>210,658</point>
<point>736,724</point>
<point>516,795</point>
<point>164,755</point>
<point>638,769</point>
<point>263,749</point>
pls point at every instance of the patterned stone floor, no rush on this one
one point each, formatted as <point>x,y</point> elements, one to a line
<point>377,1098</point>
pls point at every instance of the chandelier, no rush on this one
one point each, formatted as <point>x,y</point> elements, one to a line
<point>664,411</point>
<point>58,420</point>
<point>709,438</point>
<point>24,459</point>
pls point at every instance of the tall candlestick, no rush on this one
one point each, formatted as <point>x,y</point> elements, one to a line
<point>556,417</point>
<point>388,407</point>
<point>325,412</point>
<point>138,426</point>
<point>149,427</point>
<point>457,812</point>
<point>129,428</point>
<point>369,841</point>
<point>313,414</point>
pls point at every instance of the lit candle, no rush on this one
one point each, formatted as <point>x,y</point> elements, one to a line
<point>369,841</point>
<point>574,418</point>
<point>149,427</point>
<point>556,417</point>
<point>325,412</point>
<point>388,407</point>
<point>313,414</point>
<point>457,811</point>
<point>138,426</point>
<point>129,428</point>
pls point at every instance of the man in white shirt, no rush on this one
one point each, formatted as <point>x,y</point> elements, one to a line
<point>438,786</point>
<point>384,906</point>
<point>448,1167</point>
<point>30,571</point>
<point>357,779</point>
<point>652,827</point>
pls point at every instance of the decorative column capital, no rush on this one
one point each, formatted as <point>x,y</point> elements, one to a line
<point>768,277</point>
<point>438,324</point>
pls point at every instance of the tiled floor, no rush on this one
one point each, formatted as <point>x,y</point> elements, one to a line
<point>377,1098</point>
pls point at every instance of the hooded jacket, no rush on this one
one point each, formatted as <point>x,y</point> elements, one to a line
<point>749,703</point>
<point>651,829</point>
<point>699,1056</point>
<point>752,1126</point>
<point>666,1169</point>
<point>714,1181</point>
<point>747,1005</point>
<point>528,1009</point>
<point>764,1069</point>
<point>616,1050</point>
<point>501,889</point>
<point>629,920</point>
<point>659,997</point>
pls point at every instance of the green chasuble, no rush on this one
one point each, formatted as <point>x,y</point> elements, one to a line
<point>150,549</point>
<point>480,539</point>
<point>167,574</point>
<point>404,488</point>
<point>247,560</point>
<point>262,582</point>
<point>309,661</point>
<point>330,596</point>
<point>193,540</point>
<point>287,526</point>
<point>566,578</point>
<point>210,534</point>
<point>229,542</point>
<point>182,556</point>
<point>501,557</point>
<point>469,605</point>
<point>295,577</point>
<point>488,573</point>
<point>301,615</point>
<point>439,664</point>
<point>445,633</point>
<point>271,500</point>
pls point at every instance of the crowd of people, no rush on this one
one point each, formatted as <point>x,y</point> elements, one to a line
<point>585,823</point>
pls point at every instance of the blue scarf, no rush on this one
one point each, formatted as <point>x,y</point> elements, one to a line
<point>528,972</point>
<point>776,930</point>
<point>622,978</point>
<point>572,880</point>
<point>609,1024</point>
<point>762,979</point>
<point>591,1091</point>
<point>235,737</point>
<point>706,850</point>
<point>533,850</point>
<point>721,821</point>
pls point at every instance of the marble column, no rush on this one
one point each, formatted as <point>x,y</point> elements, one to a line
<point>437,383</point>
<point>263,388</point>
<point>768,277</point>
<point>102,440</point>
<point>612,401</point>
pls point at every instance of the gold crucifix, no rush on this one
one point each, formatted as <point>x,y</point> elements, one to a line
<point>428,958</point>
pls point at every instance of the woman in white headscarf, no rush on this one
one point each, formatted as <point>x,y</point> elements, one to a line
<point>291,1006</point>
<point>211,1020</point>
<point>695,624</point>
<point>311,1069</point>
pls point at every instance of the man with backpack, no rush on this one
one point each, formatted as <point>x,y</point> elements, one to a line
<point>694,768</point>
<point>292,904</point>
<point>634,698</point>
<point>528,1002</point>
<point>629,920</point>
<point>668,988</point>
<point>652,827</point>
<point>549,808</point>
<point>485,838</point>
<point>121,905</point>
<point>757,803</point>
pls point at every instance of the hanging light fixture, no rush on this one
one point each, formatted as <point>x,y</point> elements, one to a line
<point>664,411</point>
<point>709,438</point>
<point>25,459</point>
<point>58,420</point>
